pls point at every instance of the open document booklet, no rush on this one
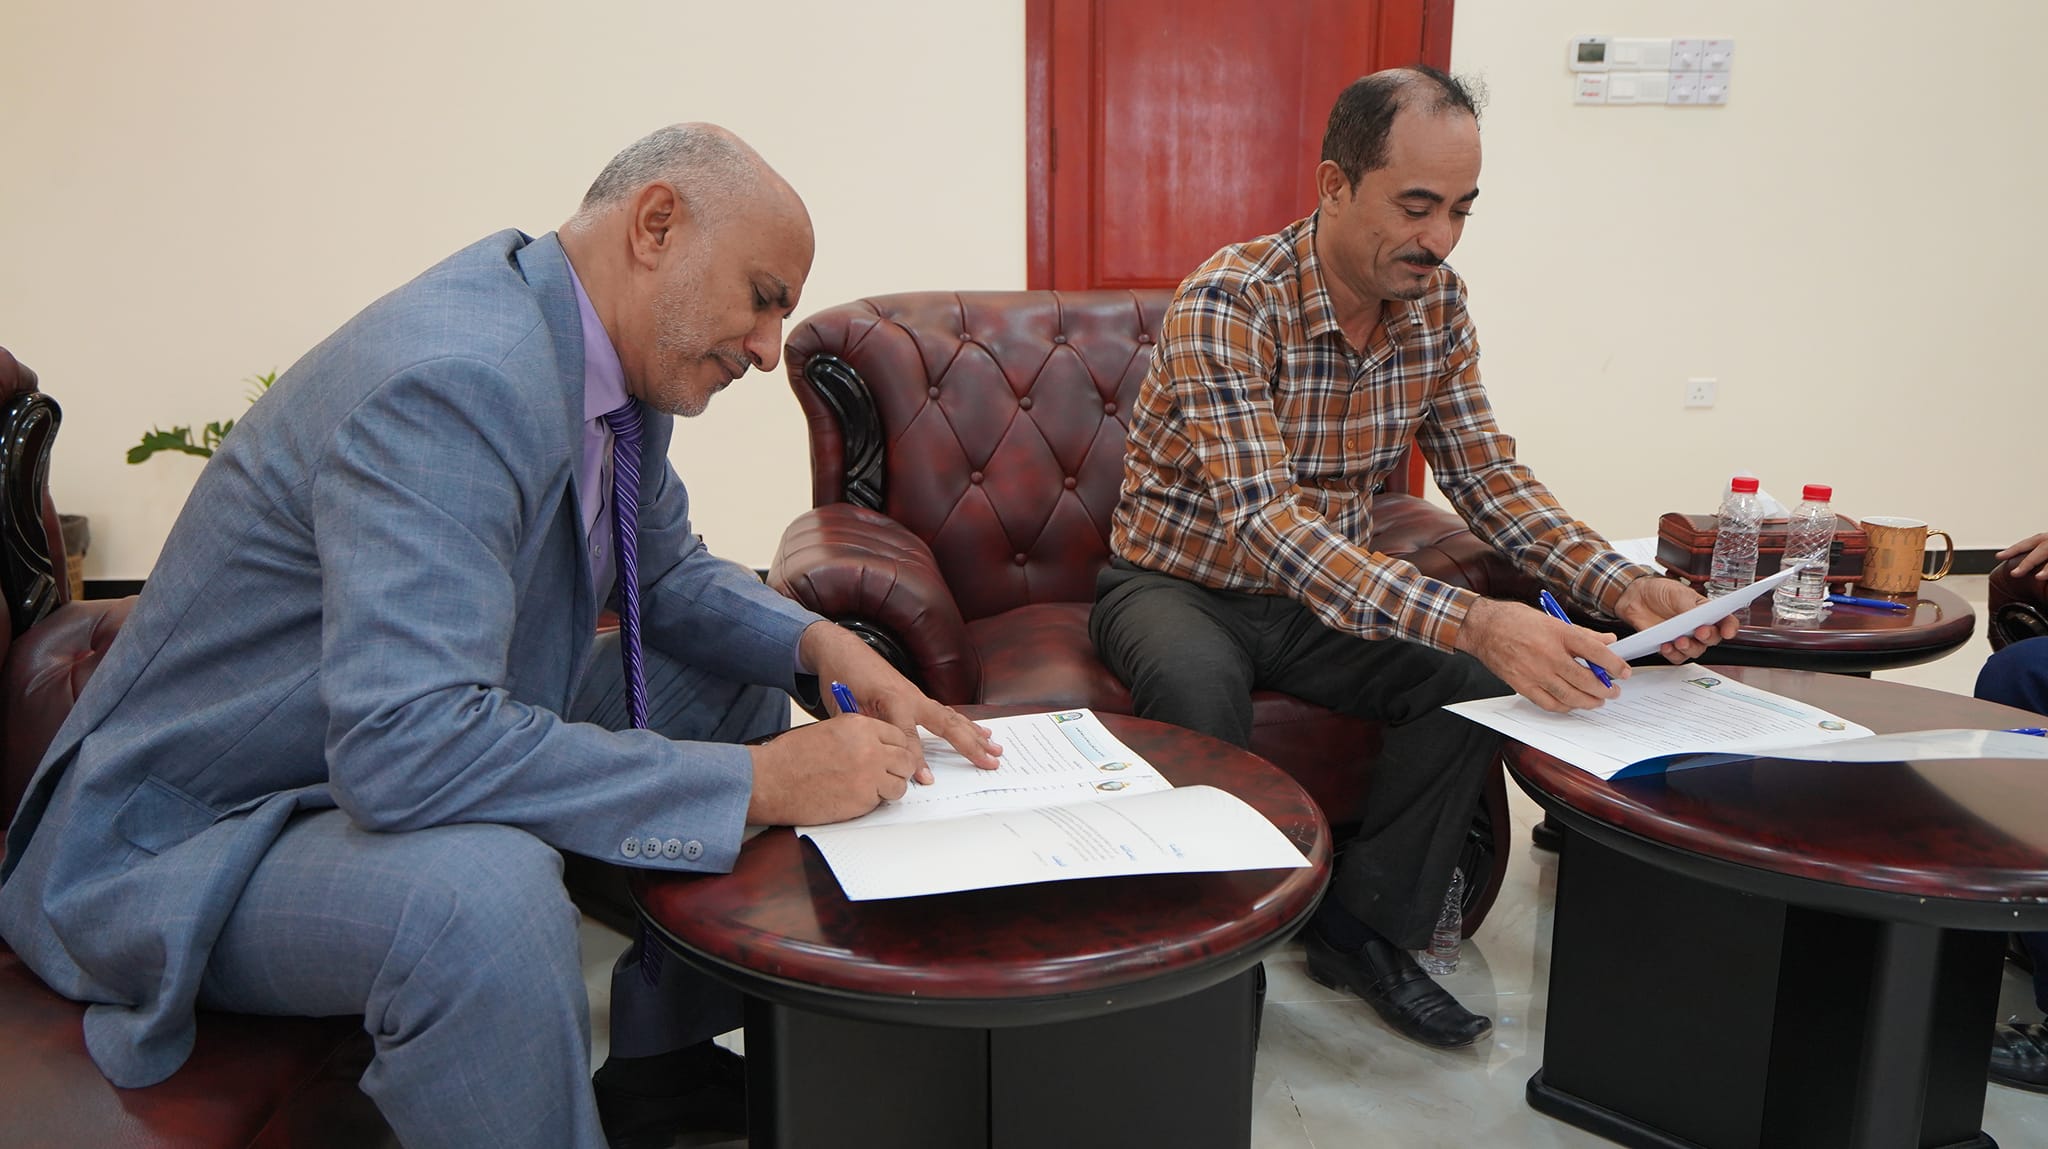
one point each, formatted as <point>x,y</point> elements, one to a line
<point>1069,801</point>
<point>1677,717</point>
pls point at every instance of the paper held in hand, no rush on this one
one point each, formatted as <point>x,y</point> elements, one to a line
<point>1678,717</point>
<point>1069,801</point>
<point>1647,640</point>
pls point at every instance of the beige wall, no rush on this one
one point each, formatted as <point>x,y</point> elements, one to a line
<point>1851,246</point>
<point>195,194</point>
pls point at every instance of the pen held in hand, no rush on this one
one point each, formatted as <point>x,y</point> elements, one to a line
<point>1552,608</point>
<point>844,697</point>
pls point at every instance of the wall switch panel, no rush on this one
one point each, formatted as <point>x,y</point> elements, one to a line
<point>1630,55</point>
<point>1592,88</point>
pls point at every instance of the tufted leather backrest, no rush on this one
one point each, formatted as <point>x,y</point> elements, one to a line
<point>991,424</point>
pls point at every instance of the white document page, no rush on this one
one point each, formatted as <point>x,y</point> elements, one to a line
<point>1061,756</point>
<point>1193,829</point>
<point>1647,641</point>
<point>1642,551</point>
<point>1664,710</point>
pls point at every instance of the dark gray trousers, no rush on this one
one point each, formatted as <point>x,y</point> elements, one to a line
<point>1192,656</point>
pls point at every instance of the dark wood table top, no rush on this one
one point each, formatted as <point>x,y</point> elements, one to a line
<point>1957,843</point>
<point>779,926</point>
<point>1854,639</point>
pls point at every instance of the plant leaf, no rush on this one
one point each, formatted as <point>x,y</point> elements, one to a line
<point>175,439</point>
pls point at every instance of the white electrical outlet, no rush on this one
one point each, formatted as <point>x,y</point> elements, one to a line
<point>1700,392</point>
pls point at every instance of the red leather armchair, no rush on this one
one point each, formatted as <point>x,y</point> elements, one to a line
<point>268,1083</point>
<point>966,450</point>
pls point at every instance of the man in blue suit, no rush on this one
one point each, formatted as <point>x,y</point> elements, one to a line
<point>328,765</point>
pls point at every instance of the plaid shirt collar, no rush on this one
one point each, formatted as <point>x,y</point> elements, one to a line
<point>1318,315</point>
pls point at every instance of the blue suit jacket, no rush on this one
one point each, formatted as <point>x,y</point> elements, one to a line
<point>377,597</point>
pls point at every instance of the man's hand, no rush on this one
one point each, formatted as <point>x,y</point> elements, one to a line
<point>1536,655</point>
<point>2031,553</point>
<point>1652,599</point>
<point>830,771</point>
<point>835,654</point>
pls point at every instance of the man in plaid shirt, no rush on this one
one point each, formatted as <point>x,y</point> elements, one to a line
<point>1291,374</point>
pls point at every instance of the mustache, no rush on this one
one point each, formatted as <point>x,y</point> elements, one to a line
<point>1422,257</point>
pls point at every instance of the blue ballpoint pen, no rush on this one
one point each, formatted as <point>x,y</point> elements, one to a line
<point>2036,731</point>
<point>844,698</point>
<point>1551,608</point>
<point>1874,603</point>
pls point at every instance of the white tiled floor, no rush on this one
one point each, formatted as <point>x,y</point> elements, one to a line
<point>1329,1073</point>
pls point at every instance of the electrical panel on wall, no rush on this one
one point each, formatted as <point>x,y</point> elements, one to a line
<point>1633,70</point>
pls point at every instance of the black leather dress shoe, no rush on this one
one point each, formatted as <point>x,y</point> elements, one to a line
<point>647,1102</point>
<point>1389,980</point>
<point>2019,1056</point>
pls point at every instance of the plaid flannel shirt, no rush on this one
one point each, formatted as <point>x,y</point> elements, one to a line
<point>1260,435</point>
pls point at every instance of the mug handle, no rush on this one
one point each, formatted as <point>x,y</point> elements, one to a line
<point>1948,555</point>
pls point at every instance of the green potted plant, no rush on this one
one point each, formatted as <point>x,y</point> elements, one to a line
<point>208,438</point>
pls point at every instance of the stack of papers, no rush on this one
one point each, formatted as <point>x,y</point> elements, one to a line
<point>1069,801</point>
<point>1678,717</point>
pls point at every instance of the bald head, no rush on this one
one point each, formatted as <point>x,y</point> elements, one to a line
<point>712,169</point>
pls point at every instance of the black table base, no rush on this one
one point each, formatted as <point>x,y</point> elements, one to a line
<point>1684,1015</point>
<point>1176,1073</point>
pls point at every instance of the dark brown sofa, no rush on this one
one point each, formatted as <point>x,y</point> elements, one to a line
<point>966,450</point>
<point>268,1083</point>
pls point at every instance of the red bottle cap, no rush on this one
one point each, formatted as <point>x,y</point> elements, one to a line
<point>1817,493</point>
<point>1742,485</point>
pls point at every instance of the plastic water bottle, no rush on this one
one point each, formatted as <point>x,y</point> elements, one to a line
<point>1809,539</point>
<point>1442,954</point>
<point>1742,516</point>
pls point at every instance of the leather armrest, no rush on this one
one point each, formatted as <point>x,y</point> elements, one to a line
<point>867,571</point>
<point>1442,547</point>
<point>46,668</point>
<point>2018,606</point>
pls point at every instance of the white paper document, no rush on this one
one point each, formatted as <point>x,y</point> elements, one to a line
<point>1069,801</point>
<point>1647,641</point>
<point>1665,711</point>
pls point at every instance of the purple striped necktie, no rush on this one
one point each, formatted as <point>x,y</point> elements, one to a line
<point>625,425</point>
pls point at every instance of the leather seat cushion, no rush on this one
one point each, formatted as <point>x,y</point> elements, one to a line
<point>243,1071</point>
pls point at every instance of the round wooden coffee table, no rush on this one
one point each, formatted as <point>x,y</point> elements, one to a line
<point>1118,1011</point>
<point>1853,639</point>
<point>1789,953</point>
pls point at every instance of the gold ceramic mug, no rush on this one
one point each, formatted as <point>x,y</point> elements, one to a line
<point>1897,558</point>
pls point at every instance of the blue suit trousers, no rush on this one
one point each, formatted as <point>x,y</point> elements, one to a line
<point>458,945</point>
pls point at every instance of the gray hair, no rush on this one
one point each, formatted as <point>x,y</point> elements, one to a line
<point>709,166</point>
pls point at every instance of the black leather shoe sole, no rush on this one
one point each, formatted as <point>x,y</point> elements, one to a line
<point>1403,995</point>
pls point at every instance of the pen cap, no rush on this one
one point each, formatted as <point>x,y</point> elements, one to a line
<point>1744,484</point>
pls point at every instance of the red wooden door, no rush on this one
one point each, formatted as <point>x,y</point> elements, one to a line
<point>1161,130</point>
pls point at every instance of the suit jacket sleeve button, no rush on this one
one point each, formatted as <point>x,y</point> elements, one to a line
<point>630,847</point>
<point>693,849</point>
<point>672,849</point>
<point>651,847</point>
